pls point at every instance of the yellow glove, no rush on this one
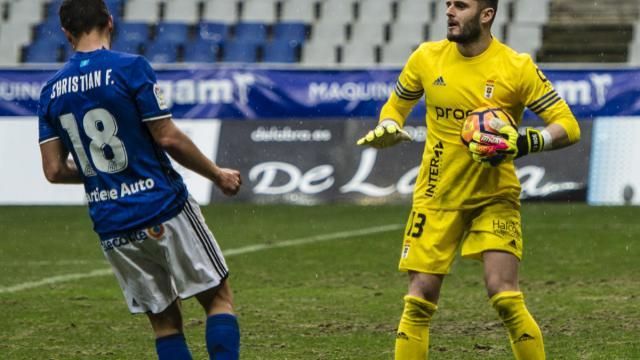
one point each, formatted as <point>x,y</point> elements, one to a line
<point>387,133</point>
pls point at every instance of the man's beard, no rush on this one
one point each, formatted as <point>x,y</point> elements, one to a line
<point>470,32</point>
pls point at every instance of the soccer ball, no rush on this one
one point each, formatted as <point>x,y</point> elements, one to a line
<point>480,120</point>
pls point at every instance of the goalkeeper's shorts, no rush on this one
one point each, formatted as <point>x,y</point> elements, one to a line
<point>432,237</point>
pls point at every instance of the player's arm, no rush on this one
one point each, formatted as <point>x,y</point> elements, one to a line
<point>407,93</point>
<point>180,147</point>
<point>57,166</point>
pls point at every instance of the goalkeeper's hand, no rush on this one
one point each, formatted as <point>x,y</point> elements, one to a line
<point>491,150</point>
<point>387,133</point>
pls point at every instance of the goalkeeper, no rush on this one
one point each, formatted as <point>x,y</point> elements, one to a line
<point>468,197</point>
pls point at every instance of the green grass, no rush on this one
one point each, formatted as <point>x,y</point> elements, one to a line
<point>335,299</point>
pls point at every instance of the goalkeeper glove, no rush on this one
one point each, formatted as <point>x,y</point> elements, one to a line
<point>387,133</point>
<point>492,149</point>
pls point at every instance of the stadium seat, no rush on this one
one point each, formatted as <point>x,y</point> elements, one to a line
<point>161,52</point>
<point>281,52</point>
<point>406,32</point>
<point>28,11</point>
<point>13,36</point>
<point>142,11</point>
<point>181,11</point>
<point>123,44</point>
<point>259,11</point>
<point>533,12</point>
<point>634,54</point>
<point>329,32</point>
<point>250,32</point>
<point>220,11</point>
<point>201,51</point>
<point>131,31</point>
<point>170,32</point>
<point>298,11</point>
<point>414,11</point>
<point>290,31</point>
<point>240,51</point>
<point>396,53</point>
<point>438,29</point>
<point>337,10</point>
<point>526,38</point>
<point>379,10</point>
<point>212,31</point>
<point>359,54</point>
<point>50,31</point>
<point>42,51</point>
<point>319,53</point>
<point>369,31</point>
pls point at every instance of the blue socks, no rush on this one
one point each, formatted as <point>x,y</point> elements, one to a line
<point>223,337</point>
<point>172,347</point>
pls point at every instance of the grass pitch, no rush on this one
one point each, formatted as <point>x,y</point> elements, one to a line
<point>331,292</point>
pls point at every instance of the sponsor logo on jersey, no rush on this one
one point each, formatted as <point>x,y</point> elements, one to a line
<point>157,92</point>
<point>447,113</point>
<point>156,232</point>
<point>434,169</point>
<point>439,81</point>
<point>118,241</point>
<point>489,87</point>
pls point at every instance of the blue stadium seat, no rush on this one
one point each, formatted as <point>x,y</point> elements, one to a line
<point>161,52</point>
<point>240,51</point>
<point>251,32</point>
<point>201,51</point>
<point>212,31</point>
<point>124,45</point>
<point>42,51</point>
<point>283,51</point>
<point>132,31</point>
<point>50,31</point>
<point>115,8</point>
<point>174,33</point>
<point>291,31</point>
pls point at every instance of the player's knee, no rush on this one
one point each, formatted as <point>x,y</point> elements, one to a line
<point>167,322</point>
<point>217,300</point>
<point>426,286</point>
<point>496,283</point>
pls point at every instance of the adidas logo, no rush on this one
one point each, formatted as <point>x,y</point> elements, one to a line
<point>514,245</point>
<point>439,82</point>
<point>402,336</point>
<point>524,337</point>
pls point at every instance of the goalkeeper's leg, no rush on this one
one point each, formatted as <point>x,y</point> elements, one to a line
<point>412,338</point>
<point>501,278</point>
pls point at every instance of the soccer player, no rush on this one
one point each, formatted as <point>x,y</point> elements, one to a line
<point>105,108</point>
<point>460,199</point>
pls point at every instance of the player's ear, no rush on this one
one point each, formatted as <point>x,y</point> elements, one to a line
<point>487,15</point>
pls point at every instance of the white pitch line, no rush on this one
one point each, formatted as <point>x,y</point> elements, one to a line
<point>239,251</point>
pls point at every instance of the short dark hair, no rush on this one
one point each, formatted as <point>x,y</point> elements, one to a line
<point>82,16</point>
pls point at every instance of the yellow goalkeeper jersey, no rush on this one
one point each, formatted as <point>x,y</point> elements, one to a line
<point>453,86</point>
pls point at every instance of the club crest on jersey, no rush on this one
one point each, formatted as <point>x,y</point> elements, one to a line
<point>489,88</point>
<point>156,232</point>
<point>157,91</point>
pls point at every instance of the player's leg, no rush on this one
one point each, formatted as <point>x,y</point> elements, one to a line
<point>495,238</point>
<point>222,331</point>
<point>170,341</point>
<point>420,303</point>
<point>429,247</point>
<point>501,280</point>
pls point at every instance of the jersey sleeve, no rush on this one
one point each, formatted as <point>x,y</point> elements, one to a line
<point>46,131</point>
<point>407,92</point>
<point>537,94</point>
<point>147,93</point>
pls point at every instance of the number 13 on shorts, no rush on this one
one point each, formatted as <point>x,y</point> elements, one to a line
<point>414,229</point>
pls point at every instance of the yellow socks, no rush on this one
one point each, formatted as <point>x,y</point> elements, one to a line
<point>412,339</point>
<point>525,335</point>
